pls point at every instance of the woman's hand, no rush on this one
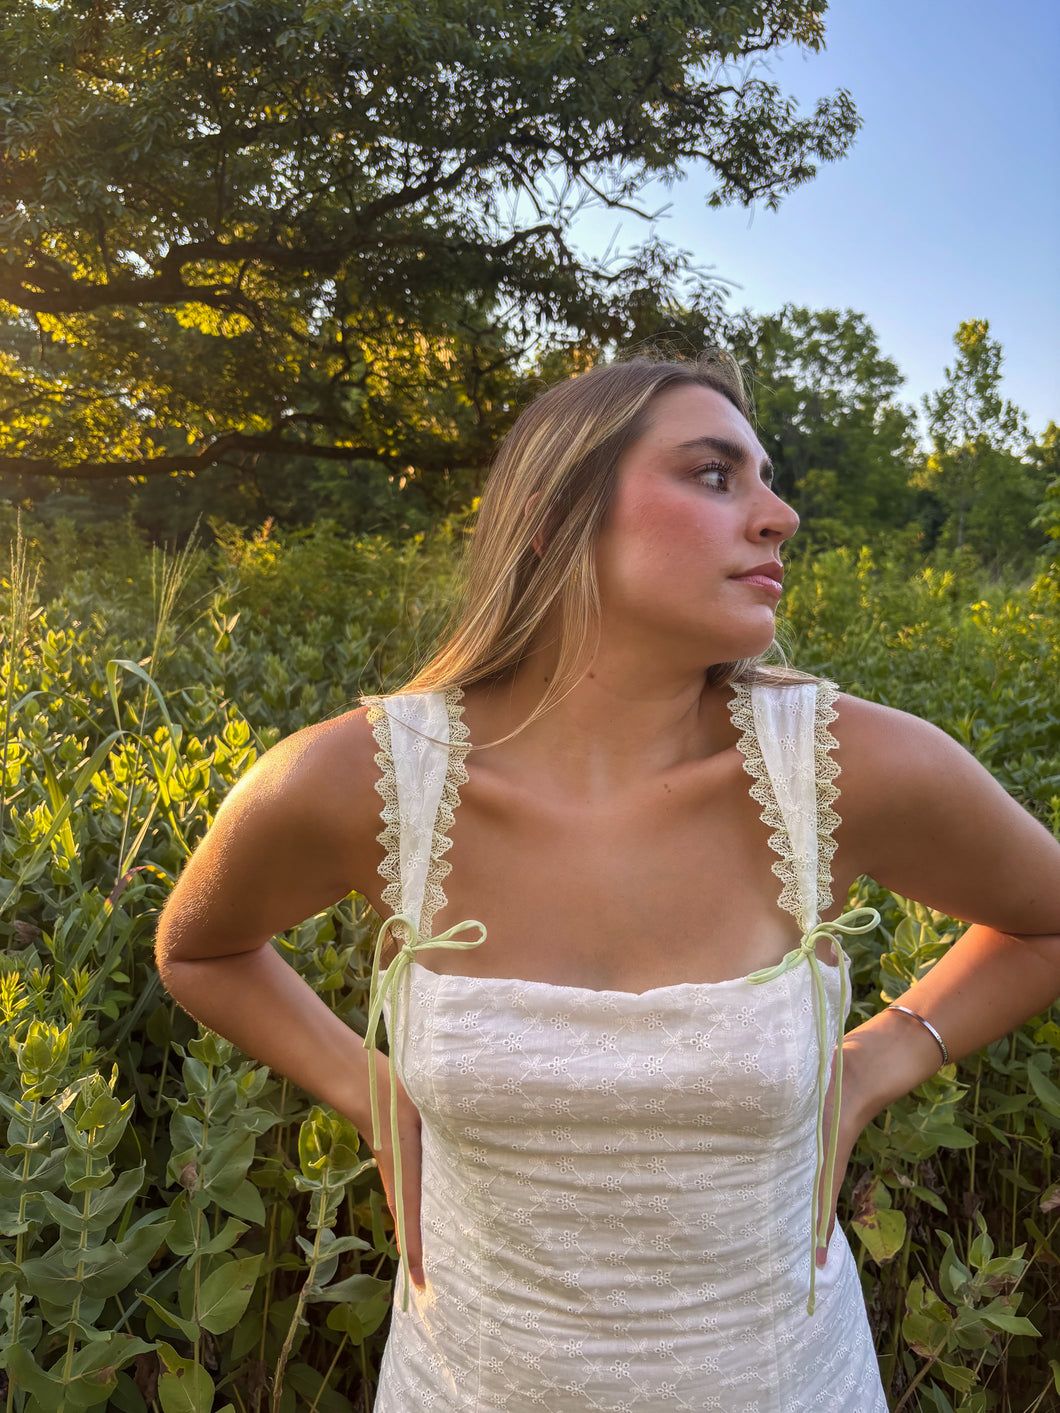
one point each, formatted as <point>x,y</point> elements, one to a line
<point>848,1136</point>
<point>882,1059</point>
<point>411,1166</point>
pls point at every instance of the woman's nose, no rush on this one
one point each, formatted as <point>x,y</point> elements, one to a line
<point>776,520</point>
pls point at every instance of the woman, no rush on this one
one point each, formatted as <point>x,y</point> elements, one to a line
<point>610,1108</point>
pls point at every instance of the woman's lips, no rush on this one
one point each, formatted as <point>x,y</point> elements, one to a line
<point>760,581</point>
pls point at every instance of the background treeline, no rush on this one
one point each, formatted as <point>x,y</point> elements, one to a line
<point>847,452</point>
<point>287,272</point>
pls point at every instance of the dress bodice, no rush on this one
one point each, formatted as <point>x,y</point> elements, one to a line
<point>617,1187</point>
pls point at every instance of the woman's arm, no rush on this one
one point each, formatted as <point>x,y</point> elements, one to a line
<point>926,820</point>
<point>294,836</point>
<point>988,983</point>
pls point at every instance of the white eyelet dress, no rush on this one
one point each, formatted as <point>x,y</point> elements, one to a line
<point>618,1188</point>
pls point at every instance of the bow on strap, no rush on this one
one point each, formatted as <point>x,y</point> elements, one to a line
<point>383,984</point>
<point>807,951</point>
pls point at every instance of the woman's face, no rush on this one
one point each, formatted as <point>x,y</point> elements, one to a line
<point>692,519</point>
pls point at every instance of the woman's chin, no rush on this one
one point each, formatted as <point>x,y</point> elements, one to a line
<point>749,644</point>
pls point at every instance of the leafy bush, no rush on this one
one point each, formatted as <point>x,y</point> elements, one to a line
<point>185,1232</point>
<point>978,659</point>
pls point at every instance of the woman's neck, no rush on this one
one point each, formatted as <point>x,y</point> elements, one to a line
<point>617,722</point>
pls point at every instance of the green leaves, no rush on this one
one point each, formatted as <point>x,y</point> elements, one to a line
<point>988,490</point>
<point>185,1387</point>
<point>972,1313</point>
<point>328,1147</point>
<point>828,416</point>
<point>880,1228</point>
<point>214,1133</point>
<point>101,1207</point>
<point>64,1273</point>
<point>943,642</point>
<point>92,1375</point>
<point>967,1297</point>
<point>329,1157</point>
<point>42,1058</point>
<point>216,250</point>
<point>228,1224</point>
<point>1047,1092</point>
<point>224,1295</point>
<point>927,1320</point>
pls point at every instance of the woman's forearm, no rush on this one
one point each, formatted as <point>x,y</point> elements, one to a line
<point>260,1003</point>
<point>983,987</point>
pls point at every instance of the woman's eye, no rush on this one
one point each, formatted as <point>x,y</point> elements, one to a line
<point>716,475</point>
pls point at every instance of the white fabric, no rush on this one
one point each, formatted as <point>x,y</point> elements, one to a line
<point>786,746</point>
<point>784,718</point>
<point>616,1186</point>
<point>419,770</point>
<point>420,789</point>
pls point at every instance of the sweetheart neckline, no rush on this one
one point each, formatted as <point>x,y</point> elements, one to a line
<point>829,969</point>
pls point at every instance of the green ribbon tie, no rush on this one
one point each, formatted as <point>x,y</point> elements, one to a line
<point>384,983</point>
<point>807,951</point>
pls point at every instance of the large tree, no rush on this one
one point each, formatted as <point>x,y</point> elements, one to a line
<point>323,232</point>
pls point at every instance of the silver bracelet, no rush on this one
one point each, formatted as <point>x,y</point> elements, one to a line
<point>927,1026</point>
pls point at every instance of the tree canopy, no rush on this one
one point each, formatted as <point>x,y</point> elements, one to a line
<point>241,230</point>
<point>841,444</point>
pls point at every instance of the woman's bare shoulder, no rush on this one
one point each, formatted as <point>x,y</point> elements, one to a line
<point>295,835</point>
<point>322,779</point>
<point>925,818</point>
<point>862,723</point>
<point>887,755</point>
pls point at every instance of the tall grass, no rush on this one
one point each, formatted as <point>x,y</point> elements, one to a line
<point>20,589</point>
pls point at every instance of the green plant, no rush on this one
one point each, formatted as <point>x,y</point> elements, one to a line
<point>236,1251</point>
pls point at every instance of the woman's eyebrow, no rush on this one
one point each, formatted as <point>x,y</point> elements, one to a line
<point>733,450</point>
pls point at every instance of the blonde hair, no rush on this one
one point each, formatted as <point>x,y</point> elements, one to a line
<point>560,459</point>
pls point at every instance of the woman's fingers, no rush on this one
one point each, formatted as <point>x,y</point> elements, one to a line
<point>844,1147</point>
<point>408,1124</point>
<point>411,1170</point>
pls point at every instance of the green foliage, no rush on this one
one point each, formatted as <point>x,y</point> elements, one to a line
<point>943,642</point>
<point>842,447</point>
<point>184,1231</point>
<point>976,1142</point>
<point>153,1245</point>
<point>1046,457</point>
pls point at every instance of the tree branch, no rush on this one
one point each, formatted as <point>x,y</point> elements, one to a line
<point>212,453</point>
<point>28,289</point>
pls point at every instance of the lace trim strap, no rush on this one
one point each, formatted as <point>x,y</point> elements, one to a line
<point>434,899</point>
<point>785,743</point>
<point>422,744</point>
<point>386,788</point>
<point>827,791</point>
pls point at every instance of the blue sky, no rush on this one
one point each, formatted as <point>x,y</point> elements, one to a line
<point>947,207</point>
